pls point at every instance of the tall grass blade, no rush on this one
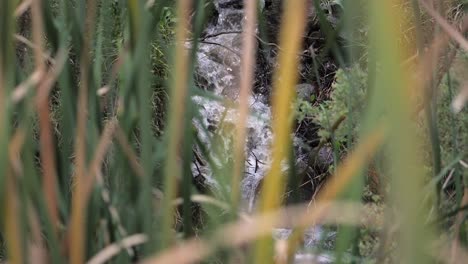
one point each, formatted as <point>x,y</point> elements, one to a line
<point>80,199</point>
<point>285,78</point>
<point>392,93</point>
<point>188,152</point>
<point>9,211</point>
<point>46,134</point>
<point>176,122</point>
<point>6,84</point>
<point>12,225</point>
<point>247,79</point>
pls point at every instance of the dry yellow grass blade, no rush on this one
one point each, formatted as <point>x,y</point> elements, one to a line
<point>12,222</point>
<point>203,199</point>
<point>244,231</point>
<point>31,45</point>
<point>86,184</point>
<point>461,99</point>
<point>14,151</point>
<point>352,165</point>
<point>283,94</point>
<point>129,152</point>
<point>113,249</point>
<point>37,245</point>
<point>22,7</point>
<point>98,158</point>
<point>247,75</point>
<point>46,140</point>
<point>285,79</point>
<point>45,80</point>
<point>51,77</point>
<point>21,90</point>
<point>78,213</point>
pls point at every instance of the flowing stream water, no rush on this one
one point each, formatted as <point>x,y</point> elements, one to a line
<point>218,67</point>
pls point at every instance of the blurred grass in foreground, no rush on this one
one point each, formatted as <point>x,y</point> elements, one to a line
<point>87,176</point>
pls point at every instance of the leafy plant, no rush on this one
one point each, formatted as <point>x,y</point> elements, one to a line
<point>348,100</point>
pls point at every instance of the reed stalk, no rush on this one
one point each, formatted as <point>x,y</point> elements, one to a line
<point>285,79</point>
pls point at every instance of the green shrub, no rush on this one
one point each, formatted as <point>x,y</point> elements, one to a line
<point>347,99</point>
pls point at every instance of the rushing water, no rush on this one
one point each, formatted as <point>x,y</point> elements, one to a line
<point>218,68</point>
<point>218,62</point>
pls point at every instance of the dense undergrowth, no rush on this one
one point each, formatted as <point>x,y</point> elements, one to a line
<point>98,142</point>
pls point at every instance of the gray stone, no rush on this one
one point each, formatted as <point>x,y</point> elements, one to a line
<point>325,157</point>
<point>305,91</point>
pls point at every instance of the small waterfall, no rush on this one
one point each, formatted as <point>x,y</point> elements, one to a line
<point>218,71</point>
<point>218,63</point>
